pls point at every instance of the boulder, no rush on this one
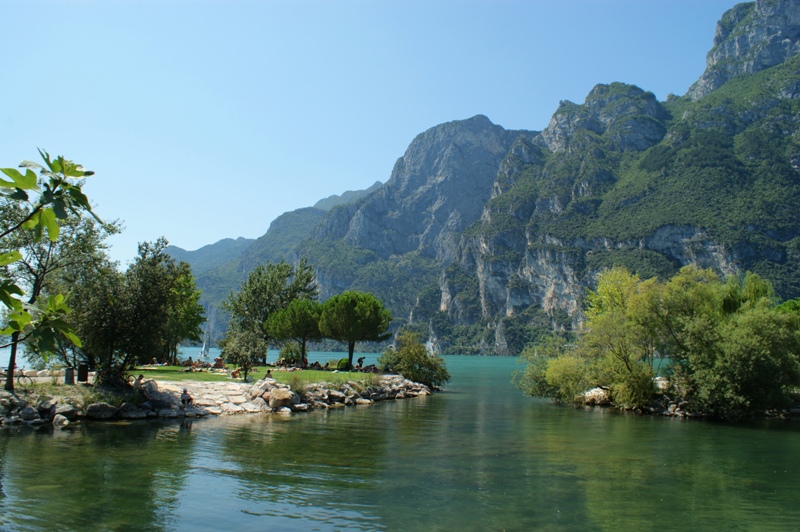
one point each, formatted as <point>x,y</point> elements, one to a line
<point>280,397</point>
<point>261,404</point>
<point>68,411</point>
<point>335,396</point>
<point>28,414</point>
<point>170,413</point>
<point>43,373</point>
<point>60,421</point>
<point>231,408</point>
<point>596,396</point>
<point>46,409</point>
<point>101,411</point>
<point>131,411</point>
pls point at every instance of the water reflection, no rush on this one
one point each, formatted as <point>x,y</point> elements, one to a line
<point>478,457</point>
<point>99,473</point>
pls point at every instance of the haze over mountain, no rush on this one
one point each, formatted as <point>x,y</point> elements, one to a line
<point>483,238</point>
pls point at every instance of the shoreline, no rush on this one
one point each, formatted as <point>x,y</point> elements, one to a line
<point>210,398</point>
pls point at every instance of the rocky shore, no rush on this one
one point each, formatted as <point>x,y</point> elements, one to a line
<point>669,406</point>
<point>265,396</point>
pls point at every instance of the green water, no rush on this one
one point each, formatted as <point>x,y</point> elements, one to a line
<point>480,456</point>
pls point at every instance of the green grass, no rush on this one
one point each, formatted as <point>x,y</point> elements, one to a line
<point>177,373</point>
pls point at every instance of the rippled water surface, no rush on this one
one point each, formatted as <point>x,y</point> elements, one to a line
<point>479,456</point>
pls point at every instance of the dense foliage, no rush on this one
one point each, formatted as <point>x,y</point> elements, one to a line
<point>269,288</point>
<point>352,317</point>
<point>410,358</point>
<point>30,205</point>
<point>731,353</point>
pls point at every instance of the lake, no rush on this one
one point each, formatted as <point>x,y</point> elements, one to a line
<point>479,456</point>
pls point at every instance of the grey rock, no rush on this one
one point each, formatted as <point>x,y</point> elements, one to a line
<point>28,413</point>
<point>280,397</point>
<point>60,421</point>
<point>170,413</point>
<point>101,411</point>
<point>130,411</point>
<point>750,37</point>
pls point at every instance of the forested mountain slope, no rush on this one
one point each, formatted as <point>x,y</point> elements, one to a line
<point>483,238</point>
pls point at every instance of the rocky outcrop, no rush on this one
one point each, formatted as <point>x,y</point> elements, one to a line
<point>212,398</point>
<point>435,191</point>
<point>750,37</point>
<point>627,115</point>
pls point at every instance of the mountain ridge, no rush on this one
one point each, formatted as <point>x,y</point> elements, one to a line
<point>484,238</point>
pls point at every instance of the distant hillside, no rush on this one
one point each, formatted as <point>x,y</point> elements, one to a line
<point>213,255</point>
<point>221,267</point>
<point>351,196</point>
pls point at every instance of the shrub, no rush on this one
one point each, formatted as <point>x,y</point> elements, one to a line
<point>411,360</point>
<point>291,353</point>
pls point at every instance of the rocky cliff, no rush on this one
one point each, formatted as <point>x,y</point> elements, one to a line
<point>749,38</point>
<point>484,238</point>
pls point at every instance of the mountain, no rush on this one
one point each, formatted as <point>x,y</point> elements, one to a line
<point>484,238</point>
<point>211,256</point>
<point>221,267</point>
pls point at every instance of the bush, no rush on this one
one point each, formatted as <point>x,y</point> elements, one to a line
<point>568,376</point>
<point>411,360</point>
<point>291,353</point>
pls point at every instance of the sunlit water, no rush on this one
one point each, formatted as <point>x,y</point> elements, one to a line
<point>480,456</point>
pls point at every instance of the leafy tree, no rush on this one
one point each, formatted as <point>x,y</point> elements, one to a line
<point>58,267</point>
<point>41,201</point>
<point>128,318</point>
<point>268,289</point>
<point>103,319</point>
<point>352,317</point>
<point>732,353</point>
<point>411,359</point>
<point>533,378</point>
<point>243,348</point>
<point>299,321</point>
<point>163,303</point>
<point>185,315</point>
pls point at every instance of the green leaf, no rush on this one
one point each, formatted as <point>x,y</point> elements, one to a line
<point>18,195</point>
<point>27,181</point>
<point>50,221</point>
<point>10,257</point>
<point>7,290</point>
<point>59,210</point>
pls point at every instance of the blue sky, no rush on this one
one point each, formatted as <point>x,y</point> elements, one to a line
<point>207,119</point>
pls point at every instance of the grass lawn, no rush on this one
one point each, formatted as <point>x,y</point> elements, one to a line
<point>177,373</point>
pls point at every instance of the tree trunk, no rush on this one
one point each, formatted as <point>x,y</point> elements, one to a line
<point>12,362</point>
<point>351,346</point>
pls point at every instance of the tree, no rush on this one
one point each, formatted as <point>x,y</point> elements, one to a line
<point>299,321</point>
<point>58,267</point>
<point>244,348</point>
<point>41,201</point>
<point>354,317</point>
<point>731,352</point>
<point>132,317</point>
<point>267,289</point>
<point>185,314</point>
<point>411,359</point>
